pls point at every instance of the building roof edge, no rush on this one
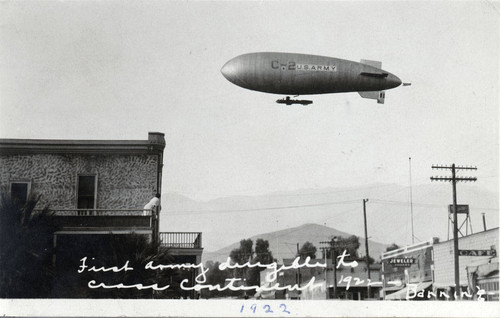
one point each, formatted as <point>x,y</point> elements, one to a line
<point>155,142</point>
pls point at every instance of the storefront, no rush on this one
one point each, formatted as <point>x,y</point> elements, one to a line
<point>483,276</point>
<point>407,272</point>
<point>478,267</point>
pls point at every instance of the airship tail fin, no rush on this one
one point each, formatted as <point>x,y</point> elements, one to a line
<point>378,95</point>
<point>376,64</point>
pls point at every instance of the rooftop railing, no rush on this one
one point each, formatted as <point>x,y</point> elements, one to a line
<point>129,219</point>
<point>102,212</point>
<point>181,239</point>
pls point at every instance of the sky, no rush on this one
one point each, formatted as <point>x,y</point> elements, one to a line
<point>119,69</point>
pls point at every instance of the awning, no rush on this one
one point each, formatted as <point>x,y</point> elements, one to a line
<point>484,267</point>
<point>392,288</point>
<point>268,294</point>
<point>402,294</point>
<point>487,269</point>
<point>388,290</point>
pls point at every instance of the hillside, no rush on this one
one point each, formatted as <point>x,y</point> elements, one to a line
<point>283,244</point>
<point>227,220</point>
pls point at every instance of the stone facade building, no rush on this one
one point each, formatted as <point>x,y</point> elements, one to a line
<point>126,172</point>
<point>84,179</point>
<point>95,188</point>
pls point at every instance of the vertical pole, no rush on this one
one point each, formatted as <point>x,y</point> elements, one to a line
<point>384,285</point>
<point>334,264</point>
<point>54,251</point>
<point>484,222</point>
<point>411,208</point>
<point>454,181</point>
<point>366,247</point>
<point>298,269</point>
<point>156,216</point>
<point>276,235</point>
<point>326,270</point>
<point>455,232</point>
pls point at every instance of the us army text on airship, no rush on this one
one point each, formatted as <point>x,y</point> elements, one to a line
<point>301,74</point>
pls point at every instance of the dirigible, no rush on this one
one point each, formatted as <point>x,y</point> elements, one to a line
<point>302,74</point>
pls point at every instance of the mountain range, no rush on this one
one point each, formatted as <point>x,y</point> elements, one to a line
<point>391,215</point>
<point>283,244</point>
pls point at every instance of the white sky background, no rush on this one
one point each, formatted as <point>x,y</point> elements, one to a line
<point>116,70</point>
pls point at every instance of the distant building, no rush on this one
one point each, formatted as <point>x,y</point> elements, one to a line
<point>351,281</point>
<point>95,188</point>
<point>407,270</point>
<point>295,277</point>
<point>478,263</point>
<point>426,270</point>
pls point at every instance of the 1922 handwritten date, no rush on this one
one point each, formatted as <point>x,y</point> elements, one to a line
<point>266,309</point>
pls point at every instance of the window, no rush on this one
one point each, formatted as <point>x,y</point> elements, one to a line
<point>86,192</point>
<point>19,191</point>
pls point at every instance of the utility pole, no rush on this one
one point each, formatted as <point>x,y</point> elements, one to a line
<point>454,179</point>
<point>411,208</point>
<point>334,264</point>
<point>298,269</point>
<point>325,252</point>
<point>366,247</point>
<point>332,245</point>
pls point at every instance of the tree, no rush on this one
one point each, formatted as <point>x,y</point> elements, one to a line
<point>307,249</point>
<point>216,277</point>
<point>262,252</point>
<point>26,249</point>
<point>242,255</point>
<point>350,245</point>
<point>262,255</point>
<point>27,255</point>
<point>115,250</point>
<point>392,247</point>
<point>245,253</point>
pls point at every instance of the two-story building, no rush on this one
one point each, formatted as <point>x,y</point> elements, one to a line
<point>407,270</point>
<point>95,188</point>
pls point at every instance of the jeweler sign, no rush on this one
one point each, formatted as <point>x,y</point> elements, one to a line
<point>402,262</point>
<point>477,252</point>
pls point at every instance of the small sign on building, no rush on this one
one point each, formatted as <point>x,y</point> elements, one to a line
<point>461,208</point>
<point>402,262</point>
<point>491,252</point>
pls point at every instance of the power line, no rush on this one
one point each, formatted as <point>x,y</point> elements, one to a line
<point>277,194</point>
<point>265,209</point>
<point>429,205</point>
<point>393,202</point>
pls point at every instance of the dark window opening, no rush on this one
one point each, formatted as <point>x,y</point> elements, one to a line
<point>19,192</point>
<point>86,192</point>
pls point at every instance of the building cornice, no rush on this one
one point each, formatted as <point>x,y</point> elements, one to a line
<point>154,144</point>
